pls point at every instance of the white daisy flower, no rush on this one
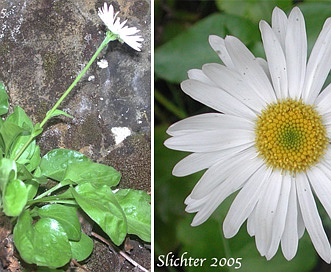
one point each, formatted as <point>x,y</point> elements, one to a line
<point>124,33</point>
<point>270,139</point>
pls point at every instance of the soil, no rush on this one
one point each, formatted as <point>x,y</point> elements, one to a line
<point>44,44</point>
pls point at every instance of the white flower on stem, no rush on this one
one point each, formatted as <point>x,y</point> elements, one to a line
<point>124,33</point>
<point>270,139</point>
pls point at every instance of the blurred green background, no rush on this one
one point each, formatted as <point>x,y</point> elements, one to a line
<point>181,43</point>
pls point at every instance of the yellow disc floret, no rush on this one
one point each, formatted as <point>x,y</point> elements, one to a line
<point>290,136</point>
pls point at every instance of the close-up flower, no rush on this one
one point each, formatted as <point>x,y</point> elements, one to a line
<point>268,139</point>
<point>124,33</point>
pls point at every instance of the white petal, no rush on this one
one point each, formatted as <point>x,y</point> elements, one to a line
<point>217,43</point>
<point>194,205</point>
<point>279,25</point>
<point>226,188</point>
<point>323,101</point>
<point>324,166</point>
<point>319,64</point>
<point>220,171</point>
<point>327,156</point>
<point>321,185</point>
<point>301,225</point>
<point>296,52</point>
<point>251,223</point>
<point>133,41</point>
<point>129,31</point>
<point>249,68</point>
<point>209,141</point>
<point>280,216</point>
<point>231,82</point>
<point>263,63</point>
<point>245,202</point>
<point>276,60</point>
<point>197,74</point>
<point>216,98</point>
<point>209,122</point>
<point>265,212</point>
<point>289,240</point>
<point>326,119</point>
<point>196,162</point>
<point>312,219</point>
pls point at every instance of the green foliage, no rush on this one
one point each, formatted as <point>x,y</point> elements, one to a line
<point>8,133</point>
<point>102,207</point>
<point>255,10</point>
<point>15,197</point>
<point>82,248</point>
<point>3,100</point>
<point>99,174</point>
<point>47,231</point>
<point>55,163</point>
<point>136,206</point>
<point>66,216</point>
<point>44,243</point>
<point>190,49</point>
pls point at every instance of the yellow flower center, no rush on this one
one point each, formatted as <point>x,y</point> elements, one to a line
<point>290,136</point>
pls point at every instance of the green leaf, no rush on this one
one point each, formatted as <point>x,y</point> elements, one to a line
<point>3,99</point>
<point>100,204</point>
<point>32,188</point>
<point>17,145</point>
<point>38,177</point>
<point>15,197</point>
<point>81,249</point>
<point>191,49</point>
<point>23,173</point>
<point>34,159</point>
<point>8,134</point>
<point>54,164</point>
<point>8,171</point>
<point>15,132</point>
<point>20,118</point>
<point>59,112</point>
<point>45,243</point>
<point>137,208</point>
<point>66,216</point>
<point>88,171</point>
<point>255,10</point>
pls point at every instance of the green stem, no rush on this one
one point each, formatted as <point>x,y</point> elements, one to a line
<point>169,105</point>
<point>109,37</point>
<point>53,189</point>
<point>52,199</point>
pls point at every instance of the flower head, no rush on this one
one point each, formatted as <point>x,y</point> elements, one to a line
<point>124,33</point>
<point>270,139</point>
